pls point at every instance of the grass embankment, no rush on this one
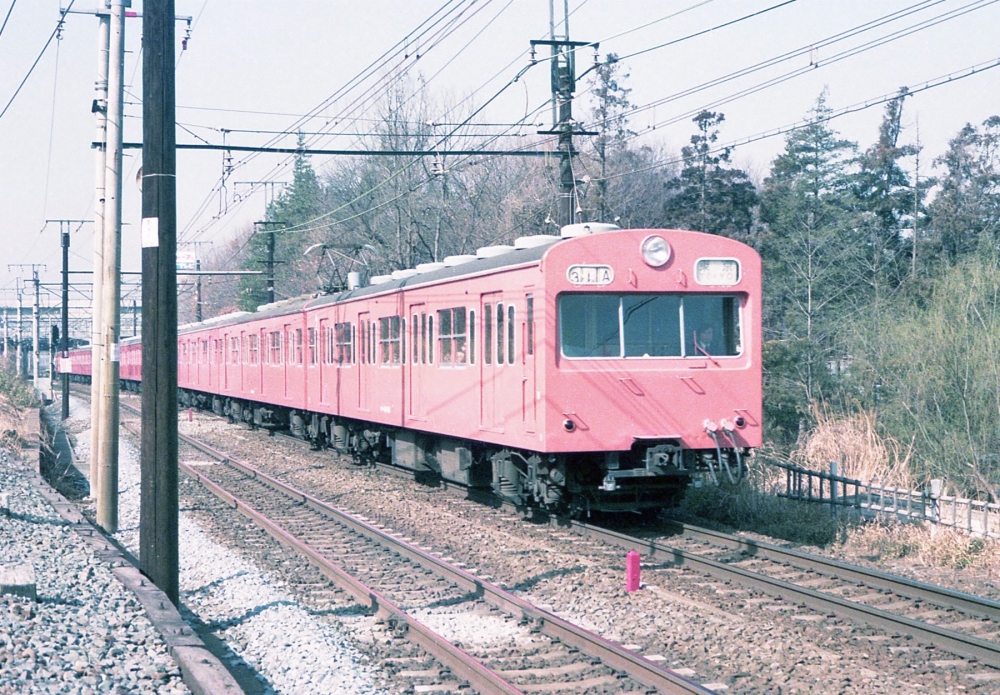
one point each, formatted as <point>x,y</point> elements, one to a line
<point>862,453</point>
<point>15,397</point>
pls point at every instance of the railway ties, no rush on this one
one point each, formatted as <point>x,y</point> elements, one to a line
<point>473,632</point>
<point>965,625</point>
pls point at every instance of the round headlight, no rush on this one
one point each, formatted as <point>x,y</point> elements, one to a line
<point>655,251</point>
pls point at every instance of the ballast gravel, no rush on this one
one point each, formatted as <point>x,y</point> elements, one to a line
<point>85,633</point>
<point>290,648</point>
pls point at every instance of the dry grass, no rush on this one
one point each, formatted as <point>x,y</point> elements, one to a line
<point>752,506</point>
<point>854,442</point>
<point>934,547</point>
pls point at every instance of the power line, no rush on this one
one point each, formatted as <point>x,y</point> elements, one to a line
<point>55,31</point>
<point>4,25</point>
<point>854,108</point>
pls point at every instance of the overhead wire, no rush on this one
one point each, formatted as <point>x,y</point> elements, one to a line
<point>7,17</point>
<point>62,17</point>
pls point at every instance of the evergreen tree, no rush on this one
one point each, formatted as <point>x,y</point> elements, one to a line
<point>299,207</point>
<point>810,246</point>
<point>611,122</point>
<point>883,190</point>
<point>966,212</point>
<point>709,196</point>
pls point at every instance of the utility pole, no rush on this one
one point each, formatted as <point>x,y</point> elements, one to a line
<point>20,340</point>
<point>158,542</point>
<point>5,332</point>
<point>100,110</point>
<point>64,230</point>
<point>21,368</point>
<point>563,87</point>
<point>35,334</point>
<point>269,263</point>
<point>197,306</point>
<point>107,461</point>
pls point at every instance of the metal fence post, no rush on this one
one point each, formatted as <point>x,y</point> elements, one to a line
<point>833,488</point>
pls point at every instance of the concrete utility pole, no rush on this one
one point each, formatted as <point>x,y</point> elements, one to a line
<point>158,542</point>
<point>107,463</point>
<point>35,334</point>
<point>100,109</point>
<point>5,332</point>
<point>20,341</point>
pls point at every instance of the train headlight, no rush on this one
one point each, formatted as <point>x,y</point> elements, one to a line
<point>655,251</point>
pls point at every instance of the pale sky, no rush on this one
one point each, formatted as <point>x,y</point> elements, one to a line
<point>255,65</point>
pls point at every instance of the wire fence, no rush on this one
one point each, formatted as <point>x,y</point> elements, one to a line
<point>931,504</point>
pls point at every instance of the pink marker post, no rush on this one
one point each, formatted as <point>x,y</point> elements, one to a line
<point>632,582</point>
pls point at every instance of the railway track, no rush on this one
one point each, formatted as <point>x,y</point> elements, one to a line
<point>960,623</point>
<point>410,588</point>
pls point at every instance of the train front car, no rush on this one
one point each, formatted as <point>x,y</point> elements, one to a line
<point>652,368</point>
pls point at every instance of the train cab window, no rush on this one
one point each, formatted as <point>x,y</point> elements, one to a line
<point>312,349</point>
<point>345,343</point>
<point>649,325</point>
<point>452,336</point>
<point>652,328</point>
<point>711,326</point>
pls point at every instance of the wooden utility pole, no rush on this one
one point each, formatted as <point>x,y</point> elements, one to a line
<point>158,542</point>
<point>107,462</point>
<point>100,109</point>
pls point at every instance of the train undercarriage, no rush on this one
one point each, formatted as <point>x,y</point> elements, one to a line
<point>652,475</point>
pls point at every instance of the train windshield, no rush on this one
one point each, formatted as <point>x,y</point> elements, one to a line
<point>649,325</point>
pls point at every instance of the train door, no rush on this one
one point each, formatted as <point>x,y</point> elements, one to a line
<point>367,363</point>
<point>491,362</point>
<point>418,358</point>
<point>529,402</point>
<point>224,363</point>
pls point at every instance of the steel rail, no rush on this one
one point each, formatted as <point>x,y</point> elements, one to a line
<point>950,640</point>
<point>461,663</point>
<point>614,656</point>
<point>910,588</point>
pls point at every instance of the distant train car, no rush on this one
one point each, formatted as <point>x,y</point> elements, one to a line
<point>598,370</point>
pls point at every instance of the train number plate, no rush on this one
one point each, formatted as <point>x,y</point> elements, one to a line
<point>590,274</point>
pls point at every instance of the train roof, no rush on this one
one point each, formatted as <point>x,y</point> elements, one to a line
<point>296,304</point>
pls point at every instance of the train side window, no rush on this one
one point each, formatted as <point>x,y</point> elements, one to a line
<point>530,326</point>
<point>344,349</point>
<point>274,351</point>
<point>402,339</point>
<point>430,339</point>
<point>500,335</point>
<point>371,343</point>
<point>488,333</point>
<point>254,348</point>
<point>415,339</point>
<point>452,335</point>
<point>472,337</point>
<point>423,338</point>
<point>311,333</point>
<point>390,340</point>
<point>510,334</point>
<point>234,350</point>
<point>298,346</point>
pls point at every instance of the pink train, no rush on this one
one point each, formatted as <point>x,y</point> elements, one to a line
<point>597,370</point>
